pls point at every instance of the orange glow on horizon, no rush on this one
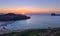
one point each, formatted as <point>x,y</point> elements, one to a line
<point>28,10</point>
<point>23,13</point>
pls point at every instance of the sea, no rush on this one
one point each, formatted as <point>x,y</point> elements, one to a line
<point>36,21</point>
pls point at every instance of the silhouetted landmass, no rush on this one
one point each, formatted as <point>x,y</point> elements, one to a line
<point>53,14</point>
<point>35,32</point>
<point>13,17</point>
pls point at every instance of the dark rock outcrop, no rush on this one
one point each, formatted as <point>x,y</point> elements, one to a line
<point>53,14</point>
<point>13,17</point>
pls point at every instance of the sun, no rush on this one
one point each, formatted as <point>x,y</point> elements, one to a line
<point>23,13</point>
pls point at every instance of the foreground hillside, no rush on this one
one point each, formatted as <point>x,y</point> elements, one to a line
<point>35,32</point>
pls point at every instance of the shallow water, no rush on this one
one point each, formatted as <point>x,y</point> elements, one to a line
<point>36,21</point>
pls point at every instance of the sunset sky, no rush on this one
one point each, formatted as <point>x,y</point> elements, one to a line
<point>29,6</point>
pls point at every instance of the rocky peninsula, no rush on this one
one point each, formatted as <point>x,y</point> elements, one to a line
<point>13,17</point>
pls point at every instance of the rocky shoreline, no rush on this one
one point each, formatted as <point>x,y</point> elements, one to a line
<point>34,32</point>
